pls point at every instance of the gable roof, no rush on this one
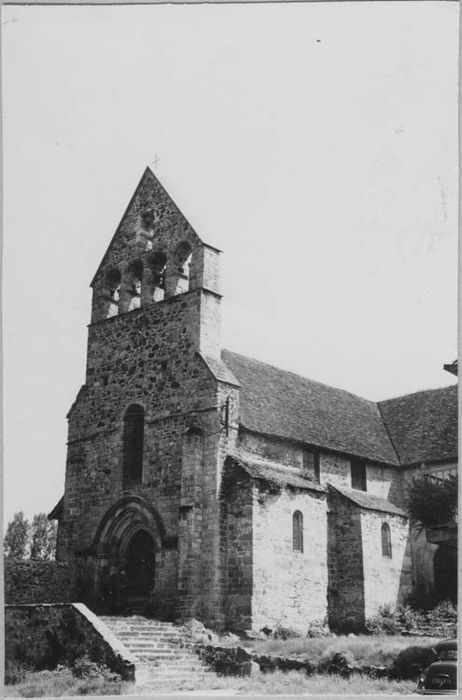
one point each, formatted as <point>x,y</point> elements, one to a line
<point>281,403</point>
<point>423,426</point>
<point>368,501</point>
<point>148,192</point>
<point>414,428</point>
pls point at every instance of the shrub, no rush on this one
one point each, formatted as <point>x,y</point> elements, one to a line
<point>15,672</point>
<point>445,611</point>
<point>390,620</point>
<point>384,622</point>
<point>87,669</point>
<point>432,502</point>
<point>62,682</point>
<point>227,661</point>
<point>281,632</point>
<point>318,628</point>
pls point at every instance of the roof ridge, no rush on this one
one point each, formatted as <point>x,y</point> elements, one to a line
<point>420,391</point>
<point>301,376</point>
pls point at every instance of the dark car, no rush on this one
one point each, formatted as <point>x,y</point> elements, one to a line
<point>440,678</point>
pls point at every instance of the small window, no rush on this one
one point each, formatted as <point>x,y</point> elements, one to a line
<point>317,467</point>
<point>386,540</point>
<point>297,531</point>
<point>311,464</point>
<point>358,475</point>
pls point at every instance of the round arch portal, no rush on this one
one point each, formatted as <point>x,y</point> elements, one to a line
<point>127,539</point>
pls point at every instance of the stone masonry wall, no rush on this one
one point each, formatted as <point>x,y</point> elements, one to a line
<point>38,582</point>
<point>335,469</point>
<point>237,529</point>
<point>151,226</point>
<point>272,449</point>
<point>149,357</point>
<point>346,565</point>
<point>226,435</point>
<point>386,482</point>
<point>386,580</point>
<point>289,587</point>
<point>43,636</point>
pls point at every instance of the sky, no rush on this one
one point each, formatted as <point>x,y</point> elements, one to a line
<point>314,143</point>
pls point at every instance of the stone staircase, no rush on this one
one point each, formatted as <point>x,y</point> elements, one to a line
<point>165,652</point>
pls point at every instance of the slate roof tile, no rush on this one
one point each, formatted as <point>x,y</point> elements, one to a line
<point>281,403</point>
<point>368,500</point>
<point>423,426</point>
<point>419,427</point>
<point>265,472</point>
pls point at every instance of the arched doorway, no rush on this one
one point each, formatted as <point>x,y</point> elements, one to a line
<point>140,564</point>
<point>127,539</point>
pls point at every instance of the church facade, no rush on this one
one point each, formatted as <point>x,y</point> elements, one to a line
<point>227,489</point>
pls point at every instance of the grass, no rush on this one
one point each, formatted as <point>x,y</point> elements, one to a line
<point>290,683</point>
<point>62,683</point>
<point>365,650</point>
<point>368,650</point>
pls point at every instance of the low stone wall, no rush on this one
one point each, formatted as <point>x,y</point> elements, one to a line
<point>238,661</point>
<point>38,582</point>
<point>43,636</point>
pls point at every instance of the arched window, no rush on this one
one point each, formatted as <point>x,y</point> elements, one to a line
<point>133,445</point>
<point>386,540</point>
<point>297,531</point>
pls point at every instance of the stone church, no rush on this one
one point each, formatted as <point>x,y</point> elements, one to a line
<point>227,489</point>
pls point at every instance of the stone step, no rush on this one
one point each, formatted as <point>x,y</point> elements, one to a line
<point>155,664</point>
<point>134,627</point>
<point>170,650</point>
<point>155,653</point>
<point>154,683</point>
<point>164,651</point>
<point>146,633</point>
<point>153,674</point>
<point>150,635</point>
<point>146,626</point>
<point>162,668</point>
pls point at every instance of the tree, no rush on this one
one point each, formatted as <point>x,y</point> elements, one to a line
<point>43,537</point>
<point>432,501</point>
<point>16,539</point>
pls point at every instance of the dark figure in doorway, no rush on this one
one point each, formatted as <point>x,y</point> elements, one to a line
<point>115,591</point>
